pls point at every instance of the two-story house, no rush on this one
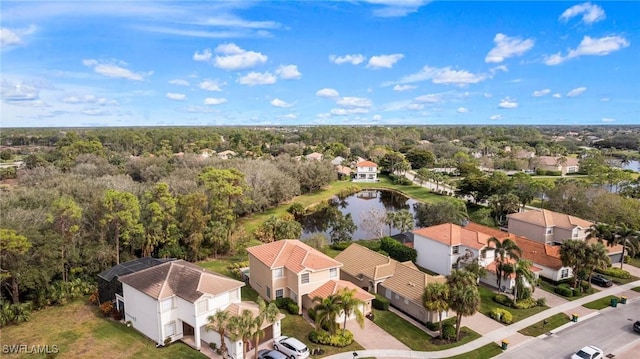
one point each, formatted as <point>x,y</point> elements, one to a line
<point>553,163</point>
<point>172,301</point>
<point>366,171</point>
<point>548,227</point>
<point>289,268</point>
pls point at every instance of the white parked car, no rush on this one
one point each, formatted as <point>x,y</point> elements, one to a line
<point>589,352</point>
<point>291,347</point>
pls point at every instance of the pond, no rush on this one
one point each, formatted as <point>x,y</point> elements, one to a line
<point>367,209</point>
<point>632,165</point>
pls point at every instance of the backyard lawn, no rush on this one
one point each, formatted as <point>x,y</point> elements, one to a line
<point>488,304</point>
<point>540,327</point>
<point>413,337</point>
<point>82,333</point>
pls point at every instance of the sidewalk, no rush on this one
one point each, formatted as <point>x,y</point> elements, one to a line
<point>499,334</point>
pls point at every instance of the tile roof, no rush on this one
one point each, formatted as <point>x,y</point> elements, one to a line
<point>358,260</point>
<point>409,282</point>
<point>293,255</point>
<point>553,161</point>
<point>180,278</point>
<point>492,268</point>
<point>366,164</point>
<point>539,253</point>
<point>334,286</point>
<point>547,218</point>
<point>454,235</point>
<point>236,309</point>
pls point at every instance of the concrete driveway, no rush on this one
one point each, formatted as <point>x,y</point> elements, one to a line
<point>373,337</point>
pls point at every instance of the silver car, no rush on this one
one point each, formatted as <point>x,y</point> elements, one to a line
<point>291,347</point>
<point>270,354</point>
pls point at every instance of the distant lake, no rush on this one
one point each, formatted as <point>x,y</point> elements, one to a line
<point>632,165</point>
<point>360,206</point>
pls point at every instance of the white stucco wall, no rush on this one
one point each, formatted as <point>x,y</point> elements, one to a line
<point>142,311</point>
<point>432,255</point>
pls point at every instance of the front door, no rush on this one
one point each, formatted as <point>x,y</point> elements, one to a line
<point>187,329</point>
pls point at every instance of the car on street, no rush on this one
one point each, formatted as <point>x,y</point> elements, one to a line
<point>636,326</point>
<point>589,352</point>
<point>270,354</point>
<point>601,280</point>
<point>291,347</point>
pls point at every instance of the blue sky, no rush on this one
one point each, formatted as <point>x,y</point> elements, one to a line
<point>404,62</point>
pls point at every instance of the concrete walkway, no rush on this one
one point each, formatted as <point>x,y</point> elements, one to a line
<point>497,335</point>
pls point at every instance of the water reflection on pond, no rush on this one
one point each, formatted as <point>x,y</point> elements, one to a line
<point>361,206</point>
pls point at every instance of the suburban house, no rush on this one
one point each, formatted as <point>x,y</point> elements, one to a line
<point>366,171</point>
<point>172,301</point>
<point>552,163</point>
<point>334,286</point>
<point>402,283</point>
<point>547,226</point>
<point>289,268</point>
<point>110,287</point>
<point>343,171</point>
<point>317,156</point>
<point>225,155</point>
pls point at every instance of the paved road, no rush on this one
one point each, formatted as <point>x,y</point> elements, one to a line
<point>611,331</point>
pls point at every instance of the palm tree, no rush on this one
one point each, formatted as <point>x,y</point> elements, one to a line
<point>242,327</point>
<point>219,322</point>
<point>522,270</point>
<point>436,299</point>
<point>601,232</point>
<point>504,250</point>
<point>327,310</point>
<point>351,305</point>
<point>573,255</point>
<point>464,297</point>
<point>268,313</point>
<point>597,258</point>
<point>628,238</point>
<point>389,220</point>
<point>403,220</point>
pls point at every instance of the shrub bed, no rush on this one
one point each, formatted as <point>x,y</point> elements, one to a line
<point>615,272</point>
<point>287,304</point>
<point>502,315</point>
<point>525,303</point>
<point>503,299</point>
<point>564,290</point>
<point>380,302</point>
<point>341,339</point>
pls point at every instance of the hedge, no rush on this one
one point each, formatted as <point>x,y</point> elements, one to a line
<point>564,290</point>
<point>501,315</point>
<point>340,339</point>
<point>380,302</point>
<point>615,272</point>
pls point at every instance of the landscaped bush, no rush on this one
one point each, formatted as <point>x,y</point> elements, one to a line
<point>503,299</point>
<point>397,250</point>
<point>312,314</point>
<point>340,246</point>
<point>584,285</point>
<point>106,308</point>
<point>341,339</point>
<point>296,209</point>
<point>501,315</point>
<point>564,290</point>
<point>541,302</point>
<point>448,331</point>
<point>380,302</point>
<point>434,326</point>
<point>293,308</point>
<point>282,303</point>
<point>525,303</point>
<point>615,272</point>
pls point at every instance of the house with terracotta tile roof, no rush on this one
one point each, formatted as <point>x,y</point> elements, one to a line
<point>334,286</point>
<point>289,268</point>
<point>172,301</point>
<point>547,226</point>
<point>556,163</point>
<point>366,171</point>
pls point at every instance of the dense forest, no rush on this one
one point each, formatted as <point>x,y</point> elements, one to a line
<point>86,199</point>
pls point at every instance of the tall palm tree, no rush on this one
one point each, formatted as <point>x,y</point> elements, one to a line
<point>505,250</point>
<point>351,305</point>
<point>436,299</point>
<point>601,232</point>
<point>242,327</point>
<point>464,296</point>
<point>522,270</point>
<point>327,310</point>
<point>268,313</point>
<point>403,220</point>
<point>573,254</point>
<point>629,239</point>
<point>219,322</point>
<point>597,258</point>
<point>389,220</point>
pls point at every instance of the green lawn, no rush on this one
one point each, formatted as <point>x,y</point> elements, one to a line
<point>415,338</point>
<point>636,289</point>
<point>296,326</point>
<point>540,328</point>
<point>634,261</point>
<point>485,352</point>
<point>550,288</point>
<point>488,304</point>
<point>82,333</point>
<point>600,303</point>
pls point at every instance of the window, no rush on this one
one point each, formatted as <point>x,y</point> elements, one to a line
<point>202,306</point>
<point>333,272</point>
<point>456,249</point>
<point>277,273</point>
<point>279,293</point>
<point>576,232</point>
<point>167,304</point>
<point>387,293</point>
<point>564,273</point>
<point>170,329</point>
<point>268,292</point>
<point>304,278</point>
<point>549,230</point>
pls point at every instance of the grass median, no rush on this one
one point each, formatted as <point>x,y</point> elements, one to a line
<point>546,325</point>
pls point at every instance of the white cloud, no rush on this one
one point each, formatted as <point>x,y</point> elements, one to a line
<point>507,47</point>
<point>496,117</point>
<point>462,110</point>
<point>507,103</point>
<point>606,119</point>
<point>232,57</point>
<point>396,8</point>
<point>605,99</point>
<point>444,75</point>
<point>495,69</point>
<point>210,85</point>
<point>352,102</point>
<point>288,72</point>
<point>96,112</point>
<point>15,92</point>
<point>257,78</point>
<point>540,93</point>
<point>557,95</point>
<point>430,98</point>
<point>376,117</point>
<point>179,82</point>
<point>88,99</point>
<point>276,102</point>
<point>348,111</point>
<point>214,101</point>
<point>590,46</point>
<point>576,91</point>
<point>228,20</point>
<point>487,95</point>
<point>176,96</point>
<point>401,88</point>
<point>384,61</point>
<point>415,106</point>
<point>327,92</point>
<point>205,55</point>
<point>590,13</point>
<point>12,37</point>
<point>355,59</point>
<point>112,70</point>
<point>289,116</point>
